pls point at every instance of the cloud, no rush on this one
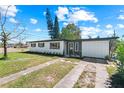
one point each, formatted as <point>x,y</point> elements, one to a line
<point>33,21</point>
<point>89,31</point>
<point>44,13</point>
<point>12,11</point>
<point>38,30</point>
<point>122,11</point>
<point>121,17</point>
<point>65,24</point>
<point>12,20</point>
<point>75,14</point>
<point>98,25</point>
<point>120,25</point>
<point>109,32</point>
<point>109,26</point>
<point>61,13</point>
<point>82,15</point>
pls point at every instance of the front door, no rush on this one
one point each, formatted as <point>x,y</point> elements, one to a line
<point>73,49</point>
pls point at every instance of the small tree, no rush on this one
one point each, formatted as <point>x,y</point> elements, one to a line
<point>71,32</point>
<point>7,35</point>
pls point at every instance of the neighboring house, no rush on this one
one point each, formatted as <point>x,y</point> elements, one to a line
<point>97,47</point>
<point>10,45</point>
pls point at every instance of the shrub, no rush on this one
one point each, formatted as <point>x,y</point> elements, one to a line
<point>120,56</point>
<point>117,79</point>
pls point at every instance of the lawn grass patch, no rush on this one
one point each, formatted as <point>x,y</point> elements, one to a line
<point>72,59</point>
<point>21,61</point>
<point>46,77</point>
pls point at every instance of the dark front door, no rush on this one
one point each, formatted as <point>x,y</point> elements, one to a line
<point>73,49</point>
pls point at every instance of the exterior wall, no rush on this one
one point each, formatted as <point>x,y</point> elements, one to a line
<point>46,48</point>
<point>98,49</point>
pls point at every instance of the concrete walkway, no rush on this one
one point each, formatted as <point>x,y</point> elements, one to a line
<point>27,71</point>
<point>101,76</point>
<point>71,78</point>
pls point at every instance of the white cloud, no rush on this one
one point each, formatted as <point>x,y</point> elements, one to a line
<point>89,31</point>
<point>38,30</point>
<point>11,11</point>
<point>120,25</point>
<point>109,32</point>
<point>82,15</point>
<point>122,11</point>
<point>65,24</point>
<point>75,14</point>
<point>98,25</point>
<point>109,26</point>
<point>121,17</point>
<point>33,21</point>
<point>74,8</point>
<point>44,13</point>
<point>61,13</point>
<point>12,20</point>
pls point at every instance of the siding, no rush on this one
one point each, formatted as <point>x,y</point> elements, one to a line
<point>46,48</point>
<point>98,49</point>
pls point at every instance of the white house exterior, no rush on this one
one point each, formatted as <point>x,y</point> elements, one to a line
<point>46,48</point>
<point>97,47</point>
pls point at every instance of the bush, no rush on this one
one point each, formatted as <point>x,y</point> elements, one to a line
<point>117,80</point>
<point>120,55</point>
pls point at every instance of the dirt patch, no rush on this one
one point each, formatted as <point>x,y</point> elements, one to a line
<point>87,78</point>
<point>50,79</point>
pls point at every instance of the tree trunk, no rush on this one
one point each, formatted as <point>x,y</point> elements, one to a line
<point>5,48</point>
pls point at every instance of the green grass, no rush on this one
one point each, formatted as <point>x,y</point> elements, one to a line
<point>111,69</point>
<point>72,59</point>
<point>21,61</point>
<point>46,77</point>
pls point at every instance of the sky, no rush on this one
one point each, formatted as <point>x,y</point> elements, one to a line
<point>93,20</point>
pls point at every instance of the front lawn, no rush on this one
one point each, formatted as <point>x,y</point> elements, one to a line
<point>73,59</point>
<point>20,61</point>
<point>46,77</point>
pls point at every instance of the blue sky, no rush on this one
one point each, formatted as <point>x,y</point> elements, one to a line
<point>93,20</point>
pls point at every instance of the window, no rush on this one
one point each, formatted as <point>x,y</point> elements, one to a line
<point>40,44</point>
<point>54,45</point>
<point>76,46</point>
<point>33,45</point>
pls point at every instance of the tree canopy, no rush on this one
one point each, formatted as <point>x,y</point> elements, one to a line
<point>70,32</point>
<point>56,28</point>
<point>49,23</point>
<point>53,28</point>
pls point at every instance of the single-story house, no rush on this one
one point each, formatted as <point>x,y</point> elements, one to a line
<point>94,47</point>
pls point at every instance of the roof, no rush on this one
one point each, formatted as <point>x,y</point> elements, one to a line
<point>91,39</point>
<point>100,39</point>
